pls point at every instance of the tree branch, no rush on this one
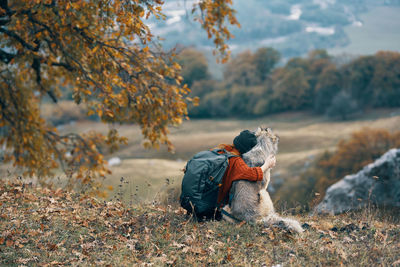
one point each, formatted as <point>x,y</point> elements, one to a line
<point>36,68</point>
<point>6,57</point>
<point>64,65</point>
<point>33,20</point>
<point>4,20</point>
<point>19,39</point>
<point>4,5</point>
<point>4,112</point>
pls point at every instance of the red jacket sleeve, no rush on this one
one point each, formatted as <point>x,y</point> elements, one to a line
<point>237,170</point>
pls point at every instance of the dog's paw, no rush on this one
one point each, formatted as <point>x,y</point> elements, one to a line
<point>271,161</point>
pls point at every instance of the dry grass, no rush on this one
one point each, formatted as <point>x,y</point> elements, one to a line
<point>298,132</point>
<point>144,179</point>
<point>302,137</point>
<point>42,227</point>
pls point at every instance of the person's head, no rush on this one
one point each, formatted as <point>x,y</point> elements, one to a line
<point>245,141</point>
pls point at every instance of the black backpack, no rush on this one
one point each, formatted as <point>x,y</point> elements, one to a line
<point>202,180</point>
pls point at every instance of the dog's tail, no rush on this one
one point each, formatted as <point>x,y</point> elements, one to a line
<point>285,223</point>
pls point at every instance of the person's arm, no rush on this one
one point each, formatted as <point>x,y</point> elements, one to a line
<point>241,171</point>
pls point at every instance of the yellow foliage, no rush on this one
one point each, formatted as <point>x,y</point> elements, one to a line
<point>83,45</point>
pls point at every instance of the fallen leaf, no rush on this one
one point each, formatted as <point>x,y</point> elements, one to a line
<point>324,225</point>
<point>347,239</point>
<point>332,234</point>
<point>51,246</point>
<point>58,192</point>
<point>178,245</point>
<point>241,224</point>
<point>229,257</point>
<point>343,254</point>
<point>9,243</point>
<point>23,261</point>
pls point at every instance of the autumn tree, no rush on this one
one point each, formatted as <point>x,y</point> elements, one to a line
<point>194,66</point>
<point>254,86</point>
<point>318,62</point>
<point>386,79</point>
<point>357,79</point>
<point>328,84</point>
<point>265,59</point>
<point>241,70</point>
<point>342,106</point>
<point>249,68</point>
<point>306,72</point>
<point>105,52</point>
<point>291,89</point>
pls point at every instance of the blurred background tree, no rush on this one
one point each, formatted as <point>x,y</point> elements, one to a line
<point>265,59</point>
<point>313,83</point>
<point>284,82</point>
<point>342,106</point>
<point>194,66</point>
<point>329,84</point>
<point>241,70</point>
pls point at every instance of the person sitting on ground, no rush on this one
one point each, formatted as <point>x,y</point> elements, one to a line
<point>238,169</point>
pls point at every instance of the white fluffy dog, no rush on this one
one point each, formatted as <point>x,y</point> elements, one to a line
<point>251,201</point>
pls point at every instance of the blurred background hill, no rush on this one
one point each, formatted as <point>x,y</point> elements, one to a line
<point>292,27</point>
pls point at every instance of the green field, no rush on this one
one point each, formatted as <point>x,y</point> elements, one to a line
<point>380,31</point>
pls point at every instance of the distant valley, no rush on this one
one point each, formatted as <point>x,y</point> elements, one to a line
<point>292,27</point>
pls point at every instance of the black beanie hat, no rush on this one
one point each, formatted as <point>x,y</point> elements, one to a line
<point>245,141</point>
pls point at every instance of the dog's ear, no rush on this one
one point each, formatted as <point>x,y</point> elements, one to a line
<point>258,131</point>
<point>274,137</point>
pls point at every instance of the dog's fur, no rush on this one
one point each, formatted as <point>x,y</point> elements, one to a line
<point>251,201</point>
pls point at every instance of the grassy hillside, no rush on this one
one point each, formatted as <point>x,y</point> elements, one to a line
<point>54,228</point>
<point>302,137</point>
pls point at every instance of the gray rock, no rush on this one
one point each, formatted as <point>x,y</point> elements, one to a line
<point>377,183</point>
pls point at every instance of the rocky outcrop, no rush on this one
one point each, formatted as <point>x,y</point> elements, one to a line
<point>377,183</point>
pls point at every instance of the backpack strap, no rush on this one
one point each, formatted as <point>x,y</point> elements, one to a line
<point>230,215</point>
<point>229,154</point>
